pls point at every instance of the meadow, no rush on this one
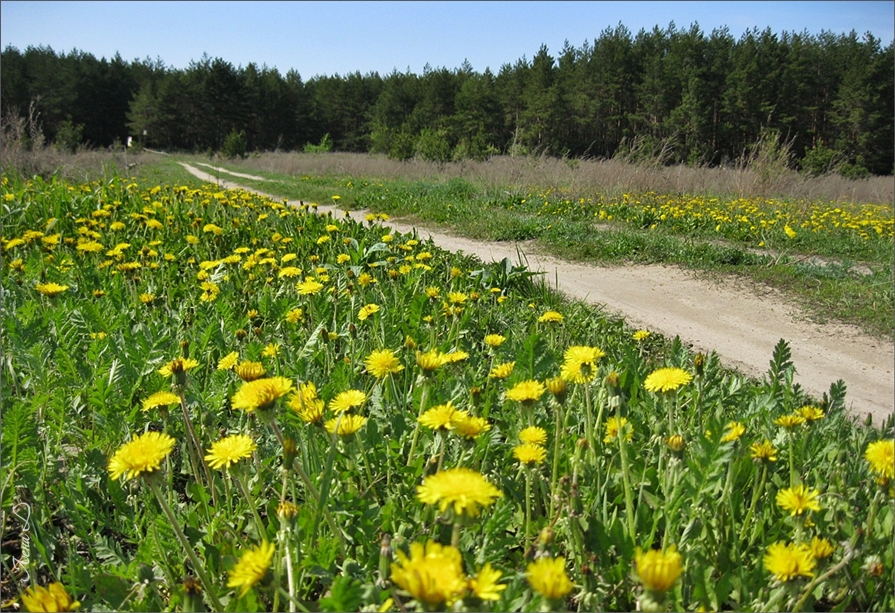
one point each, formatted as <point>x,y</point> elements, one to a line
<point>214,401</point>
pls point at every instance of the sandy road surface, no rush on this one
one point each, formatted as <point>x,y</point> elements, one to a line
<point>740,326</point>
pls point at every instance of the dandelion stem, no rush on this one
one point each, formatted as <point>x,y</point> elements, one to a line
<point>756,493</point>
<point>241,479</point>
<point>558,433</point>
<point>200,569</point>
<point>416,431</point>
<point>629,500</point>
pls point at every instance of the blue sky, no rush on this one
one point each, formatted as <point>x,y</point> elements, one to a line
<point>328,38</point>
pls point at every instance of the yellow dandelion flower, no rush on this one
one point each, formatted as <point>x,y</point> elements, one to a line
<point>432,574</point>
<point>763,451</point>
<point>485,585</point>
<point>526,392</point>
<point>50,598</point>
<point>502,371</point>
<point>810,412</point>
<point>666,379</point>
<point>734,431</point>
<point>249,371</point>
<point>613,426</point>
<point>347,400</point>
<point>881,456</point>
<point>309,287</point>
<point>366,311</point>
<point>271,350</point>
<point>440,417</point>
<point>455,356</point>
<point>790,421</point>
<point>252,567</point>
<point>177,366</point>
<point>551,317</point>
<point>820,548</point>
<point>798,499</point>
<point>306,403</point>
<point>228,451</point>
<point>430,361</point>
<point>676,443</point>
<point>786,561</point>
<point>462,489</point>
<point>228,361</point>
<point>469,426</point>
<point>50,289</point>
<point>547,576</point>
<point>160,399</point>
<point>260,393</point>
<point>528,453</point>
<point>641,335</point>
<point>580,363</point>
<point>658,570</point>
<point>143,454</point>
<point>495,340</point>
<point>382,363</point>
<point>348,424</point>
<point>295,316</point>
<point>534,435</point>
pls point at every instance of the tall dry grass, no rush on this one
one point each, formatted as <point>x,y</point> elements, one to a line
<point>756,174</point>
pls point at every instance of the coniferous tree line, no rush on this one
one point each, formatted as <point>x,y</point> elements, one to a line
<point>700,98</point>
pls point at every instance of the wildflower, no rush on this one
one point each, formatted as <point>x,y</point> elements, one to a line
<point>178,366</point>
<point>50,598</point>
<point>485,585</point>
<point>456,297</point>
<point>143,454</point>
<point>249,371</point>
<point>798,499</point>
<point>494,340</point>
<point>272,350</point>
<point>734,431</point>
<point>676,443</point>
<point>789,231</point>
<point>534,435</point>
<point>309,287</point>
<point>580,364</point>
<point>763,451</point>
<point>160,399</point>
<point>306,403</point>
<point>252,567</point>
<point>455,356</point>
<point>820,548</point>
<point>788,561</point>
<point>50,289</point>
<point>881,456</point>
<point>347,400</point>
<point>666,379</point>
<point>260,394</point>
<point>382,363</point>
<point>228,361</point>
<point>613,426</point>
<point>289,272</point>
<point>432,574</point>
<point>548,577</point>
<point>287,510</point>
<point>295,315</point>
<point>367,310</point>
<point>211,228</point>
<point>230,450</point>
<point>789,421</point>
<point>529,453</point>
<point>348,424</point>
<point>526,392</point>
<point>658,570</point>
<point>147,298</point>
<point>469,426</point>
<point>430,360</point>
<point>641,335</point>
<point>462,489</point>
<point>440,417</point>
<point>502,371</point>
<point>551,317</point>
<point>810,412</point>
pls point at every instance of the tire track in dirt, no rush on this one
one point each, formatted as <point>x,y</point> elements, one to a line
<point>740,326</point>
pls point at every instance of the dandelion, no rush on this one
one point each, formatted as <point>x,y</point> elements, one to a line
<point>432,574</point>
<point>260,394</point>
<point>786,561</point>
<point>462,489</point>
<point>230,450</point>
<point>676,443</point>
<point>485,585</point>
<point>347,400</point>
<point>613,426</point>
<point>641,335</point>
<point>526,392</point>
<point>820,548</point>
<point>272,350</point>
<point>798,499</point>
<point>528,453</point>
<point>502,371</point>
<point>348,424</point>
<point>50,289</point>
<point>495,340</point>
<point>658,570</point>
<point>228,361</point>
<point>534,435</point>
<point>734,431</point>
<point>790,421</point>
<point>382,363</point>
<point>551,317</point>
<point>789,231</point>
<point>309,287</point>
<point>366,311</point>
<point>580,364</point>
<point>666,379</point>
<point>469,426</point>
<point>763,451</point>
<point>881,456</point>
<point>306,403</point>
<point>249,371</point>
<point>50,598</point>
<point>160,399</point>
<point>289,272</point>
<point>810,413</point>
<point>252,567</point>
<point>547,576</point>
<point>177,366</point>
<point>440,417</point>
<point>211,228</point>
<point>143,454</point>
<point>455,356</point>
<point>295,316</point>
<point>430,361</point>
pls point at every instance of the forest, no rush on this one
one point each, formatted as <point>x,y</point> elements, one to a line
<point>675,94</point>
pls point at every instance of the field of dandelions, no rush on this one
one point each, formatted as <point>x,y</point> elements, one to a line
<point>212,401</point>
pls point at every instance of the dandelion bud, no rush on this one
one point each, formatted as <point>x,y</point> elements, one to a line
<point>353,330</point>
<point>192,594</point>
<point>557,386</point>
<point>582,443</point>
<point>184,346</point>
<point>613,384</point>
<point>241,334</point>
<point>286,511</point>
<point>699,363</point>
<point>675,442</point>
<point>324,335</point>
<point>868,421</point>
<point>547,536</point>
<point>385,557</point>
<point>290,449</point>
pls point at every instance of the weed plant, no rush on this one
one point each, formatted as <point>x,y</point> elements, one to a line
<point>214,401</point>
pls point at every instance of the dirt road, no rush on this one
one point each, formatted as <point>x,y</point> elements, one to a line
<point>737,324</point>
